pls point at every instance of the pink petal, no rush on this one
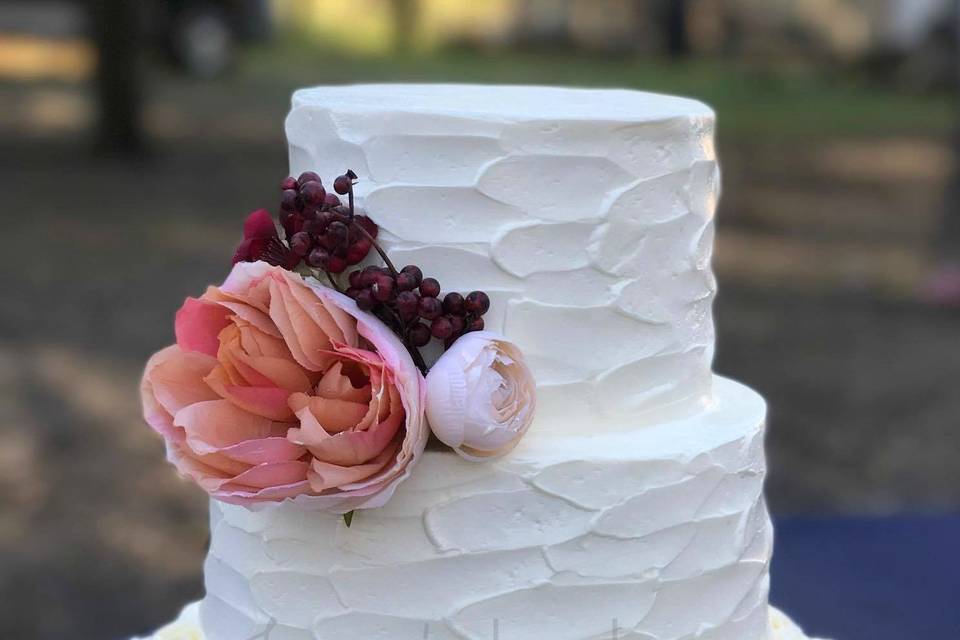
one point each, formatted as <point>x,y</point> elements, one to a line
<point>254,452</point>
<point>215,424</point>
<point>177,378</point>
<point>265,402</point>
<point>333,415</point>
<point>198,325</point>
<point>325,475</point>
<point>357,447</point>
<point>272,474</point>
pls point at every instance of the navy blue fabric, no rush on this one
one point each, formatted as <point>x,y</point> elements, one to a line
<point>895,578</point>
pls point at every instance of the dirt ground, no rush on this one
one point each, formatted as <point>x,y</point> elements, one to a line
<point>822,245</point>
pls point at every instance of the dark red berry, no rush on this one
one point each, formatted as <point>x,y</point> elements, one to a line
<point>369,276</point>
<point>383,289</point>
<point>301,244</point>
<point>407,304</point>
<point>453,303</point>
<point>354,279</point>
<point>405,282</point>
<point>307,176</point>
<point>342,185</point>
<point>458,323</point>
<point>478,302</point>
<point>288,183</point>
<point>313,194</point>
<point>419,335</point>
<point>474,324</point>
<point>337,232</point>
<point>441,328</point>
<point>430,288</point>
<point>319,258</point>
<point>288,200</point>
<point>365,300</point>
<point>429,308</point>
<point>415,272</point>
<point>352,292</point>
<point>331,200</point>
<point>337,265</point>
<point>358,251</point>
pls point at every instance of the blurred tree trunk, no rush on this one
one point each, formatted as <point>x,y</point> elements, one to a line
<point>675,28</point>
<point>116,34</point>
<point>406,14</point>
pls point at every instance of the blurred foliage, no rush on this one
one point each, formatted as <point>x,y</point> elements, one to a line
<point>752,101</point>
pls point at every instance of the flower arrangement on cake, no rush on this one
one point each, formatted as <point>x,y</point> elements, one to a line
<point>303,377</point>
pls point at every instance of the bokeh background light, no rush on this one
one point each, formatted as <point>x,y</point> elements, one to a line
<point>135,136</point>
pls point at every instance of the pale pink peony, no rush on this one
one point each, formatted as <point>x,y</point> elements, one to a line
<point>481,396</point>
<point>278,388</point>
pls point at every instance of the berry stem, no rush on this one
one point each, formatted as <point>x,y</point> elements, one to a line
<point>333,282</point>
<point>376,245</point>
<point>417,356</point>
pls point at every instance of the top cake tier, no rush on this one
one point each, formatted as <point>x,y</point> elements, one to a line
<point>586,214</point>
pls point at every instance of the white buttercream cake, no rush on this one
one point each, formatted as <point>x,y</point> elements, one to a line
<point>634,506</point>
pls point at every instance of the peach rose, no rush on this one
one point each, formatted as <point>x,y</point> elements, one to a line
<point>278,388</point>
<point>481,396</point>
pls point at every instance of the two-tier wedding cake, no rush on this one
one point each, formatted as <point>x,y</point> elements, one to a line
<point>632,506</point>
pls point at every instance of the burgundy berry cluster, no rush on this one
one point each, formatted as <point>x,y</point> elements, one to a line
<point>413,307</point>
<point>320,230</point>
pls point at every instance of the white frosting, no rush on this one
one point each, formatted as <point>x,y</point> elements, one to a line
<point>187,627</point>
<point>662,529</point>
<point>587,215</point>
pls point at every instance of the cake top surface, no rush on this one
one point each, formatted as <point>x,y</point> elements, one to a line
<point>509,102</point>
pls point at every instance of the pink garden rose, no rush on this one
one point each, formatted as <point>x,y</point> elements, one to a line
<point>278,388</point>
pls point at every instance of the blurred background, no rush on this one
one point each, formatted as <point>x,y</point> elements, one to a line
<point>135,136</point>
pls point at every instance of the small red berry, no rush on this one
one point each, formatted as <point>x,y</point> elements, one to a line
<point>429,308</point>
<point>405,282</point>
<point>407,304</point>
<point>337,232</point>
<point>307,176</point>
<point>369,276</point>
<point>319,258</point>
<point>313,194</point>
<point>441,328</point>
<point>453,303</point>
<point>301,243</point>
<point>331,201</point>
<point>354,279</point>
<point>458,323</point>
<point>288,200</point>
<point>478,302</point>
<point>415,272</point>
<point>383,289</point>
<point>430,288</point>
<point>352,292</point>
<point>474,324</point>
<point>419,335</point>
<point>337,265</point>
<point>342,185</point>
<point>288,183</point>
<point>365,300</point>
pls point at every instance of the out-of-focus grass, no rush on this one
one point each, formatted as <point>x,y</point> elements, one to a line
<point>788,102</point>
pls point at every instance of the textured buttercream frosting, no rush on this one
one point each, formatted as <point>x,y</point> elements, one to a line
<point>660,532</point>
<point>587,215</point>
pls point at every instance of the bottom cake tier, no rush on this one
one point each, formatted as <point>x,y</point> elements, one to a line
<point>187,627</point>
<point>659,532</point>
